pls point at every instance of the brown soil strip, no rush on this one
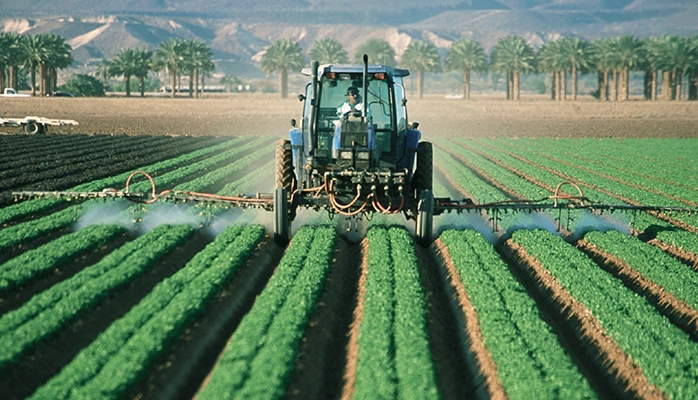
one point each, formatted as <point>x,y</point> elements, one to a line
<point>599,355</point>
<point>47,358</point>
<point>477,356</point>
<point>321,359</point>
<point>678,311</point>
<point>355,327</point>
<point>684,256</point>
<point>180,373</point>
<point>453,376</point>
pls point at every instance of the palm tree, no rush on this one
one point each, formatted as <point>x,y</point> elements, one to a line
<point>378,50</point>
<point>329,51</point>
<point>58,57</point>
<point>676,57</point>
<point>11,56</point>
<point>229,81</point>
<point>514,56</point>
<point>169,55</point>
<point>550,60</point>
<point>575,52</point>
<point>34,55</point>
<point>196,56</point>
<point>467,56</point>
<point>143,63</point>
<point>422,57</point>
<point>283,55</point>
<point>103,71</point>
<point>605,59</point>
<point>630,56</point>
<point>125,63</point>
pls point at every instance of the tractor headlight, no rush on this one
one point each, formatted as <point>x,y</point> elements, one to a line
<point>363,155</point>
<point>346,155</point>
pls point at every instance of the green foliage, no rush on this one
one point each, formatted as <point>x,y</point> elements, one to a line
<point>531,362</point>
<point>379,51</point>
<point>665,353</point>
<point>48,312</point>
<point>329,51</point>
<point>394,357</point>
<point>84,86</point>
<point>118,357</point>
<point>259,360</point>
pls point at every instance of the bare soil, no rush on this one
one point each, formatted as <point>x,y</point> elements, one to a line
<point>268,114</point>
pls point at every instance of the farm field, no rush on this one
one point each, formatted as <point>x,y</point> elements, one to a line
<point>114,299</point>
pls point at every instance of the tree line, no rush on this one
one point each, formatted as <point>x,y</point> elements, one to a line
<point>673,58</point>
<point>45,54</point>
<point>671,61</point>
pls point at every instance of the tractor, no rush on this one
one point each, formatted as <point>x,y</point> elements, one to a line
<point>354,161</point>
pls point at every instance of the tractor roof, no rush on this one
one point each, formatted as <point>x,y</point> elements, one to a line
<point>357,68</point>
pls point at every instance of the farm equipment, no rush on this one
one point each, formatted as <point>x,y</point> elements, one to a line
<point>357,163</point>
<point>33,125</point>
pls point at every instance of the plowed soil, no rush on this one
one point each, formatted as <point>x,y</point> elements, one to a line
<point>267,114</point>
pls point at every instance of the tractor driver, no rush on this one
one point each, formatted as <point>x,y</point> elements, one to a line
<point>352,106</point>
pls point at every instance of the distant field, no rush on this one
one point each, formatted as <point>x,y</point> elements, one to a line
<point>258,114</point>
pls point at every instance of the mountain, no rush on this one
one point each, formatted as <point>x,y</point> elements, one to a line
<point>239,31</point>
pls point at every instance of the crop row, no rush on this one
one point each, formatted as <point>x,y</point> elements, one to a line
<point>30,207</point>
<point>394,359</point>
<point>664,231</point>
<point>666,354</point>
<point>531,363</point>
<point>118,358</point>
<point>259,358</point>
<point>51,255</point>
<point>52,309</point>
<point>16,234</point>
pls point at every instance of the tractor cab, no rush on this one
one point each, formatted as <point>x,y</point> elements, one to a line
<point>353,118</point>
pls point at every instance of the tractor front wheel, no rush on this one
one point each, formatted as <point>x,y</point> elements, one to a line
<point>285,175</point>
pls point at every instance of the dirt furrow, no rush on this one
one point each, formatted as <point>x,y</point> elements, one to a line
<point>485,379</point>
<point>322,357</point>
<point>609,369</point>
<point>678,311</point>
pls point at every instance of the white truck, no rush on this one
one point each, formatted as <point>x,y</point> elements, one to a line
<point>34,125</point>
<point>10,92</point>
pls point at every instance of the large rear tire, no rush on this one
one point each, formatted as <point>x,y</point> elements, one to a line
<point>425,218</point>
<point>423,177</point>
<point>33,128</point>
<point>282,223</point>
<point>285,175</point>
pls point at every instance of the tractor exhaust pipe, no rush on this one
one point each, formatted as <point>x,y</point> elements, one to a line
<point>364,105</point>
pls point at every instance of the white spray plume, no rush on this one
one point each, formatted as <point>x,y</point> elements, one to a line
<point>531,221</point>
<point>168,214</point>
<point>466,220</point>
<point>110,212</point>
<point>590,221</point>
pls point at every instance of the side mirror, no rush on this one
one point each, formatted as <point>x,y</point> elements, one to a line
<point>301,97</point>
<point>403,102</point>
<point>414,125</point>
<point>294,123</point>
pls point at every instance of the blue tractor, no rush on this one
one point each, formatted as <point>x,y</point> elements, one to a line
<point>354,159</point>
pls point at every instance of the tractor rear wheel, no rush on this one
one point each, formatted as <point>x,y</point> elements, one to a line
<point>285,176</point>
<point>425,218</point>
<point>423,176</point>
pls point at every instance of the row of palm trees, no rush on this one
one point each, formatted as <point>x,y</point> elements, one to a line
<point>176,56</point>
<point>612,59</point>
<point>44,54</point>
